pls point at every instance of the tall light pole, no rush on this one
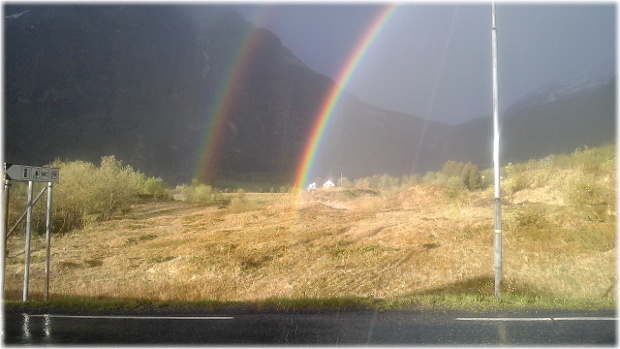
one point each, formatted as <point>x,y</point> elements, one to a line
<point>498,200</point>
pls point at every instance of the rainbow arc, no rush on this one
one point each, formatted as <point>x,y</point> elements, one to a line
<point>309,151</point>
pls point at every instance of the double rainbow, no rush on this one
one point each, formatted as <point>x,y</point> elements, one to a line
<point>228,87</point>
<point>326,110</point>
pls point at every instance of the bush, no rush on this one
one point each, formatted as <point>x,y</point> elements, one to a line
<point>87,193</point>
<point>585,191</point>
<point>466,172</point>
<point>429,178</point>
<point>520,182</point>
<point>113,187</point>
<point>198,192</point>
<point>74,194</point>
<point>149,186</point>
<point>455,183</point>
<point>346,183</point>
<point>156,188</point>
<point>471,177</point>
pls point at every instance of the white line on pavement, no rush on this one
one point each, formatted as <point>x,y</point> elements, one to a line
<point>503,319</point>
<point>137,317</point>
<point>536,319</point>
<point>585,318</point>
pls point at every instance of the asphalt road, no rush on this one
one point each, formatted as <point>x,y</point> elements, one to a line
<point>329,328</point>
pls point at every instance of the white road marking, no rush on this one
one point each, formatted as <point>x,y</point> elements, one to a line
<point>536,319</point>
<point>136,317</point>
<point>585,318</point>
<point>503,319</point>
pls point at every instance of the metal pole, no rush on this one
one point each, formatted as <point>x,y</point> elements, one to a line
<point>27,248</point>
<point>34,202</point>
<point>48,225</point>
<point>4,226</point>
<point>496,165</point>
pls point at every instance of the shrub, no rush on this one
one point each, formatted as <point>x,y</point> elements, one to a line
<point>455,183</point>
<point>202,193</point>
<point>442,179</point>
<point>156,188</point>
<point>429,178</point>
<point>74,194</point>
<point>86,193</point>
<point>112,187</point>
<point>240,203</point>
<point>466,172</point>
<point>149,186</point>
<point>198,192</point>
<point>587,160</point>
<point>452,168</point>
<point>585,191</point>
<point>408,180</point>
<point>346,183</point>
<point>363,183</point>
<point>519,183</point>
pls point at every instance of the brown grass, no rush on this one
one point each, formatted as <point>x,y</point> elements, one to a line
<point>336,243</point>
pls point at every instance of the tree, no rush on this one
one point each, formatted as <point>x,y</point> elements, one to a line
<point>429,177</point>
<point>452,168</point>
<point>346,183</point>
<point>471,177</point>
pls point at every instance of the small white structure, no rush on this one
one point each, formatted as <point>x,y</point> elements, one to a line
<point>312,186</point>
<point>328,184</point>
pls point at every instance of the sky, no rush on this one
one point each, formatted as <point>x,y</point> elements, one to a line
<point>434,60</point>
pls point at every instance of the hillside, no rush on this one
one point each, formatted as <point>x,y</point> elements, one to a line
<point>146,84</point>
<point>559,222</point>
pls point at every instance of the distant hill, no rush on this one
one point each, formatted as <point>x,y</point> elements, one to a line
<point>142,82</point>
<point>578,119</point>
<point>367,140</point>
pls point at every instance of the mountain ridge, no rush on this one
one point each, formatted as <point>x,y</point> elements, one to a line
<point>143,83</point>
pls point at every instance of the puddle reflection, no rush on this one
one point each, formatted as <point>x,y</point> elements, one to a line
<point>31,325</point>
<point>26,336</point>
<point>47,327</point>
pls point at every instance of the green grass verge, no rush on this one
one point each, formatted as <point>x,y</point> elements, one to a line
<point>441,302</point>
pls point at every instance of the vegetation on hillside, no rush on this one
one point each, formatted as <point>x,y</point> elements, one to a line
<point>403,240</point>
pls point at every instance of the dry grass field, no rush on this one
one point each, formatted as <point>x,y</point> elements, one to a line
<point>425,240</point>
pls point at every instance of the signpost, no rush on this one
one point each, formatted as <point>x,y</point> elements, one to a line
<point>30,174</point>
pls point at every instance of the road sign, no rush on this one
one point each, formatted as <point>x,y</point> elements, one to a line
<point>30,173</point>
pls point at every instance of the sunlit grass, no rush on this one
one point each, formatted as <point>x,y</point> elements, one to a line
<point>426,246</point>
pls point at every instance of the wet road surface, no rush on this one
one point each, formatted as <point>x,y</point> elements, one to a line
<point>329,328</point>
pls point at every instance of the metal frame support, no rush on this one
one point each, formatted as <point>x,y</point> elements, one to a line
<point>34,202</point>
<point>28,237</point>
<point>4,226</point>
<point>23,173</point>
<point>48,226</point>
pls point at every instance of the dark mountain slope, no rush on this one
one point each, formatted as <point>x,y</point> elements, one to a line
<point>562,125</point>
<point>144,82</point>
<point>82,82</point>
<point>536,130</point>
<point>140,82</point>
